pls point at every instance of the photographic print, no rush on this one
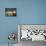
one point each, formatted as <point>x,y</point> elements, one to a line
<point>10,11</point>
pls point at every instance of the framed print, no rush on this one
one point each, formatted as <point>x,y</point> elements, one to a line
<point>10,12</point>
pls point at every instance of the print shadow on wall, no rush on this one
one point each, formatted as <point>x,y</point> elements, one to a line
<point>10,12</point>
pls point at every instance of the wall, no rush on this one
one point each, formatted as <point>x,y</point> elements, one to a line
<point>28,12</point>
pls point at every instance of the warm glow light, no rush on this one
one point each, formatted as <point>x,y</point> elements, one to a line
<point>14,11</point>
